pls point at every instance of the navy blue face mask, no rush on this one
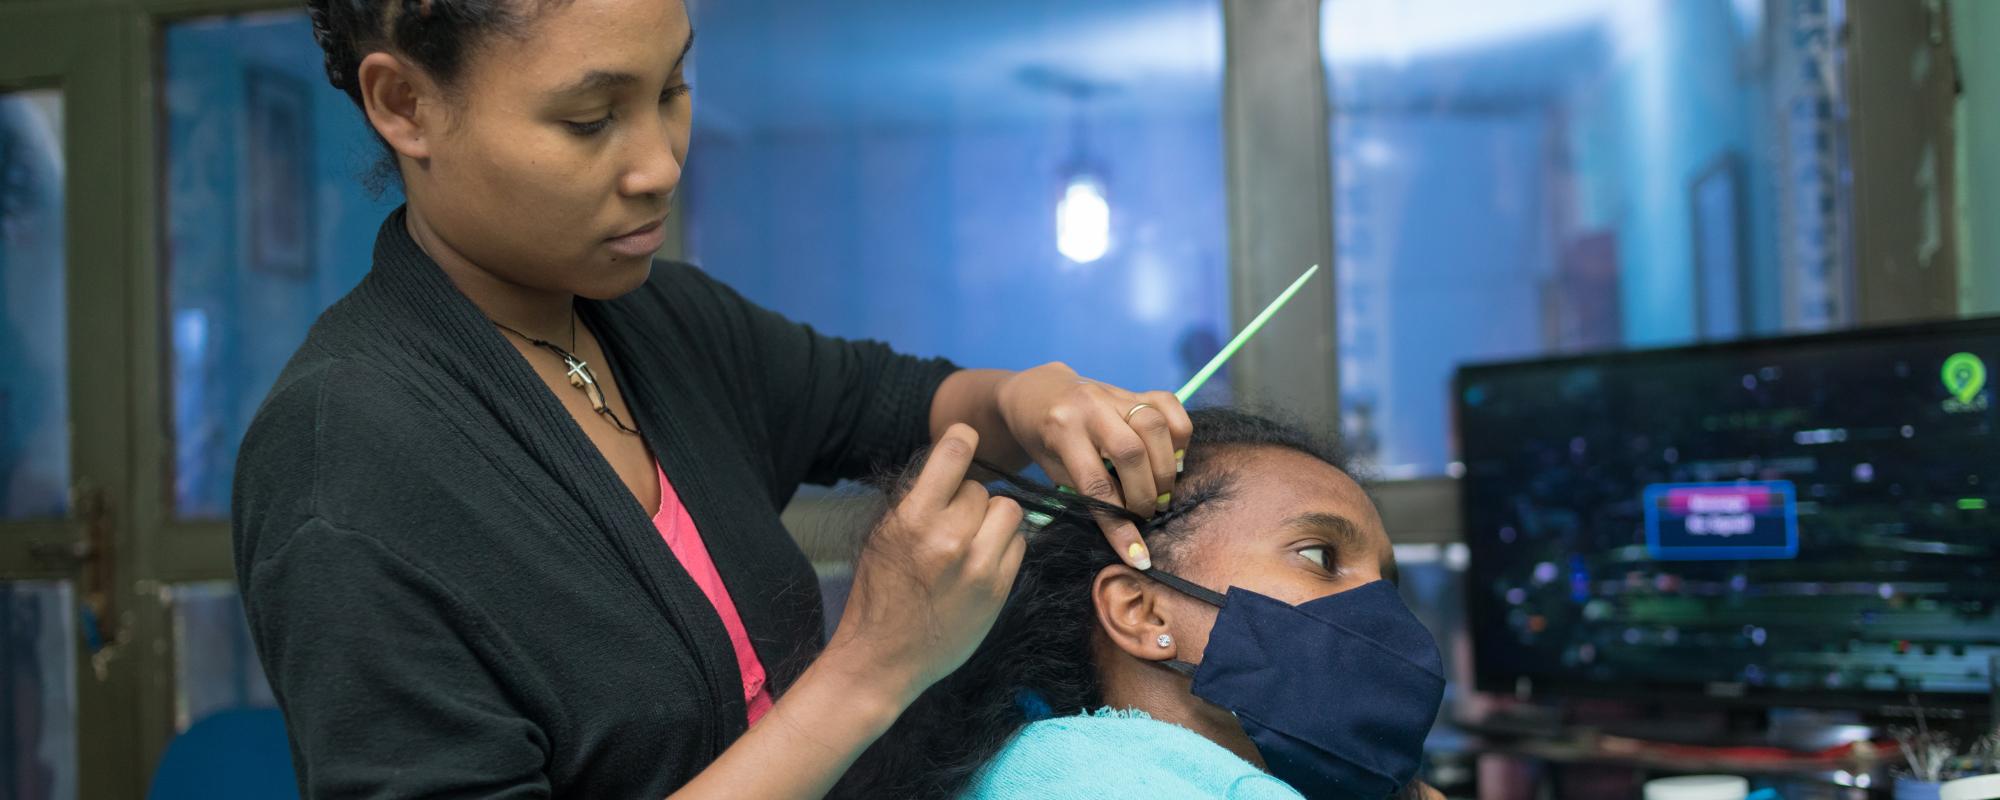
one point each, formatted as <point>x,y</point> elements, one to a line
<point>1337,693</point>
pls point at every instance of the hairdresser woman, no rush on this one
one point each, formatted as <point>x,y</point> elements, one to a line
<point>507,524</point>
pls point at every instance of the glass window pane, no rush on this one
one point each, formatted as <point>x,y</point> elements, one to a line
<point>1975,30</point>
<point>1005,184</point>
<point>34,376</point>
<point>266,221</point>
<point>37,690</point>
<point>1513,179</point>
<point>215,664</point>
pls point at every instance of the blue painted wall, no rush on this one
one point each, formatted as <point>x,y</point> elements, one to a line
<point>941,241</point>
<point>233,327</point>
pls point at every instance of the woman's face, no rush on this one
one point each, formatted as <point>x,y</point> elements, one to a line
<point>562,146</point>
<point>1291,528</point>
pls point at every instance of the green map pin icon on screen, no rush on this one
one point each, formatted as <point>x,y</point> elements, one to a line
<point>1964,375</point>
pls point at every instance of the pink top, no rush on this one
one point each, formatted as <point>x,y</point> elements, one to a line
<point>677,528</point>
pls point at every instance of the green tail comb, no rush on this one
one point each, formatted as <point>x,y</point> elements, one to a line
<point>1229,350</point>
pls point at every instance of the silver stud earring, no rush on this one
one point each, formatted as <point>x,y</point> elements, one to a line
<point>1165,640</point>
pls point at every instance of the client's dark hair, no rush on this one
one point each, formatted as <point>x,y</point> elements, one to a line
<point>1037,660</point>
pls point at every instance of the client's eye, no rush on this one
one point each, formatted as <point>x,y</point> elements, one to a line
<point>1321,556</point>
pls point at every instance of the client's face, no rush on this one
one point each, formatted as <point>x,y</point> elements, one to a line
<point>1292,528</point>
<point>1289,527</point>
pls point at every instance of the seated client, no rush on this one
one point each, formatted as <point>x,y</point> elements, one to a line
<point>1265,654</point>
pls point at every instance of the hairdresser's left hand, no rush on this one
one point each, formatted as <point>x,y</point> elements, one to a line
<point>1070,426</point>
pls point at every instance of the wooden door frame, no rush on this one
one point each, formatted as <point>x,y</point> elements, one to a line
<point>81,49</point>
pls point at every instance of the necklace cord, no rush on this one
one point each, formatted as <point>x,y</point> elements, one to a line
<point>580,374</point>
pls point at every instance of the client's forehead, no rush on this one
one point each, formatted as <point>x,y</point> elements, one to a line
<point>1271,487</point>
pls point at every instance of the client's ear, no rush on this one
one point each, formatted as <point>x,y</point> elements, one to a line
<point>1131,615</point>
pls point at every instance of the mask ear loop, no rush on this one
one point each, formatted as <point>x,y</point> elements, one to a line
<point>1187,587</point>
<point>1191,589</point>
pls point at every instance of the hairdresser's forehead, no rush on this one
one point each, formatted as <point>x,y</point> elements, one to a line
<point>564,40</point>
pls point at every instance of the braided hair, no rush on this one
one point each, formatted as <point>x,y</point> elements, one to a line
<point>438,36</point>
<point>1037,660</point>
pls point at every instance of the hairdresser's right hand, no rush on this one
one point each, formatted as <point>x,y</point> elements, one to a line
<point>932,576</point>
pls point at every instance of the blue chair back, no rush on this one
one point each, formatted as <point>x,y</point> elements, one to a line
<point>241,753</point>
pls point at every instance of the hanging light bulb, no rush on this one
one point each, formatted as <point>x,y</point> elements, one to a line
<point>1083,210</point>
<point>1083,219</point>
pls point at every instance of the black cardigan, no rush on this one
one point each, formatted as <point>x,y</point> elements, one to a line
<point>452,592</point>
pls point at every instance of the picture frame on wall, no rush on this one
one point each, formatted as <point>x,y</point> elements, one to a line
<point>278,173</point>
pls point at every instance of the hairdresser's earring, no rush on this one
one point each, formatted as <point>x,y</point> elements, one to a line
<point>1165,640</point>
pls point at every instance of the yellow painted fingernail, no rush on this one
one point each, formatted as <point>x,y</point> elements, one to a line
<point>1164,500</point>
<point>1139,558</point>
<point>1180,461</point>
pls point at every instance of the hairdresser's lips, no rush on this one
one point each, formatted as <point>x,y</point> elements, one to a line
<point>640,242</point>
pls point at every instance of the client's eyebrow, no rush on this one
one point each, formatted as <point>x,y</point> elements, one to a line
<point>1341,527</point>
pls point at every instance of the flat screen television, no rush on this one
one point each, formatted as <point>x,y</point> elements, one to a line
<point>1809,521</point>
